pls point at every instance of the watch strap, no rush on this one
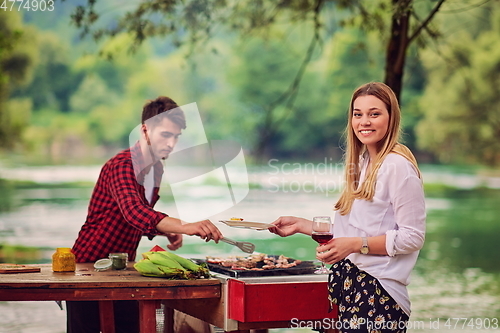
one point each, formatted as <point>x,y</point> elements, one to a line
<point>364,246</point>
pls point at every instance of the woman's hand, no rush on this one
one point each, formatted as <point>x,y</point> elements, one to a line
<point>337,249</point>
<point>289,225</point>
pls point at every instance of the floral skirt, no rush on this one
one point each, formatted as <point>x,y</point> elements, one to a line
<point>363,304</point>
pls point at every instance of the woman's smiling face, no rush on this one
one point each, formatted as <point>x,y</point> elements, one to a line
<point>370,121</point>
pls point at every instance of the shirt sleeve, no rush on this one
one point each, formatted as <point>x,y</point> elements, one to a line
<point>407,198</point>
<point>125,191</point>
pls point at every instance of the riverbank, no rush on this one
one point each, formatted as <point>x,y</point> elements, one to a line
<point>20,254</point>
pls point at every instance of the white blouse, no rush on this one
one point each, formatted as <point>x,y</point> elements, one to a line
<point>397,210</point>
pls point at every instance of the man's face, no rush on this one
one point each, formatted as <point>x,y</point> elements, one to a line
<point>163,137</point>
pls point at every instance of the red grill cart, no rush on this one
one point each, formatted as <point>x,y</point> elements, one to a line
<point>264,302</point>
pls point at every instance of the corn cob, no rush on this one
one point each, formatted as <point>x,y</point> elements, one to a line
<point>159,259</point>
<point>186,263</point>
<point>148,268</point>
<point>168,260</point>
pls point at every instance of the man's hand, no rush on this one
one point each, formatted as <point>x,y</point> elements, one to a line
<point>175,241</point>
<point>205,229</point>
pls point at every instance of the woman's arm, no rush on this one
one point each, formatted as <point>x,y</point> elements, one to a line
<point>408,202</point>
<point>405,192</point>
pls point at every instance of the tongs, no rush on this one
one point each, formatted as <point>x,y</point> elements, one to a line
<point>243,246</point>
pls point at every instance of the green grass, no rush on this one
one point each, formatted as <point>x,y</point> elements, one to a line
<point>18,254</point>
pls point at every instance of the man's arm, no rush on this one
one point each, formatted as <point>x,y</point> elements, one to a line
<point>204,229</point>
<point>123,188</point>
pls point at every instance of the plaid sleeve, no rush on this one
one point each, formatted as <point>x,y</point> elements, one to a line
<point>131,201</point>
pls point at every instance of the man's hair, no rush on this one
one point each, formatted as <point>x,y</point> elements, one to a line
<point>154,112</point>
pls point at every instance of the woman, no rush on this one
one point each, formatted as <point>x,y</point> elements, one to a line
<point>379,224</point>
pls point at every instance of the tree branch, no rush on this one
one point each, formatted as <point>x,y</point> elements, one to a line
<point>426,21</point>
<point>426,28</point>
<point>289,96</point>
<point>466,8</point>
<point>294,87</point>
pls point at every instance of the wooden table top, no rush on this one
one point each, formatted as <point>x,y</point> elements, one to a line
<point>87,283</point>
<point>86,276</point>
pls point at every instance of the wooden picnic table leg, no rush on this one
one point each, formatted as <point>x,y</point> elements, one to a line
<point>147,316</point>
<point>107,316</point>
<point>168,321</point>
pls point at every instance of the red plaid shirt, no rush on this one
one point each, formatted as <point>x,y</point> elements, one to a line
<point>119,213</point>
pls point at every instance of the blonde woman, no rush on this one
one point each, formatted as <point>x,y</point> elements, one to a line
<point>379,224</point>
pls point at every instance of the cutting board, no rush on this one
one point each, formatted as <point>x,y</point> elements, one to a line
<point>16,268</point>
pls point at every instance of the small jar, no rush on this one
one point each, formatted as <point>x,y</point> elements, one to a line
<point>118,261</point>
<point>63,260</point>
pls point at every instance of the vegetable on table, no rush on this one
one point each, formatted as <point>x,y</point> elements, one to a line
<point>169,265</point>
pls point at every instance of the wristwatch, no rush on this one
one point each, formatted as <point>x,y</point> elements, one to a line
<point>364,247</point>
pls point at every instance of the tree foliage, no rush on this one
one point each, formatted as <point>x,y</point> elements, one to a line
<point>399,23</point>
<point>461,103</point>
<point>17,58</point>
<point>282,92</point>
<point>53,78</point>
<point>96,110</point>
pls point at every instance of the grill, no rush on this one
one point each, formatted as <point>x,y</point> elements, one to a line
<point>305,267</point>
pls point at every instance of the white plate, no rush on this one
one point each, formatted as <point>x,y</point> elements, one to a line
<point>247,224</point>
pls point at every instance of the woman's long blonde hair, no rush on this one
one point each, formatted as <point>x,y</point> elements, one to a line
<point>388,144</point>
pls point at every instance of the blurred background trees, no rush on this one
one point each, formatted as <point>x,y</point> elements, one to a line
<point>460,103</point>
<point>275,76</point>
<point>397,24</point>
<point>18,57</point>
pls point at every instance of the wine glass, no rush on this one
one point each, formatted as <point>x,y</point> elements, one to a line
<point>322,233</point>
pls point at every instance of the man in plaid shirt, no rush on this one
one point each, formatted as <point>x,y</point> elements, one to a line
<point>121,210</point>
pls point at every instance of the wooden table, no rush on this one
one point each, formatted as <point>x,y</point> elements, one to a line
<point>105,286</point>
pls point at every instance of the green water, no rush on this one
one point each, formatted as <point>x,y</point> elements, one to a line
<point>466,234</point>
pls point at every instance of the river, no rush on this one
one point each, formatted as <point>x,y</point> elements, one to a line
<point>455,286</point>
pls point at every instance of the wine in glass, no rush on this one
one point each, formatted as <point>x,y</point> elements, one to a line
<point>322,233</point>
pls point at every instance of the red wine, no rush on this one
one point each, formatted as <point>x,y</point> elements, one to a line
<point>322,237</point>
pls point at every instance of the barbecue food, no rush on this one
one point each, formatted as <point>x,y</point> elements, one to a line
<point>254,262</point>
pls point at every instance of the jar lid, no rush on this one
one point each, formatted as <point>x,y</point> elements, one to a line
<point>121,255</point>
<point>103,264</point>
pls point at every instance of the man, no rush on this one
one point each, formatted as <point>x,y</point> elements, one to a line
<point>121,210</point>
